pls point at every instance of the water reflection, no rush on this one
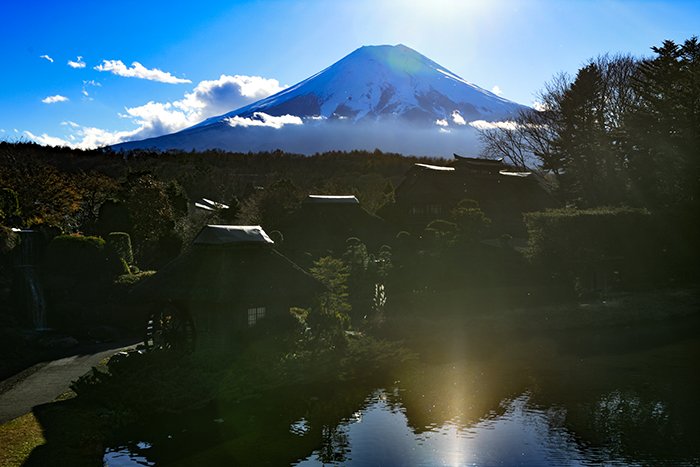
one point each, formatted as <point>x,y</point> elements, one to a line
<point>527,405</point>
<point>130,455</point>
<point>521,435</point>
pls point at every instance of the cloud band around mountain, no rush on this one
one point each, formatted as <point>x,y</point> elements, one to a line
<point>263,119</point>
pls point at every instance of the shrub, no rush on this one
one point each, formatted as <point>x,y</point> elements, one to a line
<point>8,239</point>
<point>328,319</point>
<point>568,241</point>
<point>9,204</point>
<point>80,256</point>
<point>119,243</point>
<point>470,219</point>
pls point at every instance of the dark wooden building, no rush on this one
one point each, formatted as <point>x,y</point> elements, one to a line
<point>323,224</point>
<point>430,192</point>
<point>231,281</point>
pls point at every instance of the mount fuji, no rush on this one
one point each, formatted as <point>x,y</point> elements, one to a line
<point>386,97</point>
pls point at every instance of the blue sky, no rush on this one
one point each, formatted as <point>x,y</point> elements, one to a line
<point>198,59</point>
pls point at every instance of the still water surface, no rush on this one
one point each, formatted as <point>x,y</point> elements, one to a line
<point>534,404</point>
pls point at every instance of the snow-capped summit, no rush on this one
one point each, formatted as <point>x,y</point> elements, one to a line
<point>375,82</point>
<point>366,100</point>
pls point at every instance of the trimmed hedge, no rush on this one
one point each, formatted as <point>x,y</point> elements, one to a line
<point>8,240</point>
<point>572,235</point>
<point>9,204</point>
<point>120,244</point>
<point>567,241</point>
<point>79,256</point>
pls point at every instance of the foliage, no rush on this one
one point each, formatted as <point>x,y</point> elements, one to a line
<point>591,167</point>
<point>622,131</point>
<point>470,220</point>
<point>120,244</point>
<point>132,279</point>
<point>328,319</point>
<point>368,274</point>
<point>177,198</point>
<point>269,206</point>
<point>141,384</point>
<point>151,211</point>
<point>663,131</point>
<point>95,188</point>
<point>569,241</point>
<point>76,255</point>
<point>45,194</point>
<point>442,233</point>
<point>9,204</point>
<point>8,239</point>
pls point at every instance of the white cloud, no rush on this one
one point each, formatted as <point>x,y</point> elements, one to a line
<point>209,98</point>
<point>457,118</point>
<point>263,119</point>
<point>496,90</point>
<point>442,122</point>
<point>227,93</point>
<point>83,137</point>
<point>484,125</point>
<point>137,70</point>
<point>78,63</point>
<point>46,140</point>
<point>46,57</point>
<point>96,137</point>
<point>54,99</point>
<point>91,82</point>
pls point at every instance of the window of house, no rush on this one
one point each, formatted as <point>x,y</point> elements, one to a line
<point>255,315</point>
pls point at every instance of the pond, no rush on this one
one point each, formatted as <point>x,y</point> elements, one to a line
<point>534,402</point>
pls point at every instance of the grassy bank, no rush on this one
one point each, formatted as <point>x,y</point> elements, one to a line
<point>18,439</point>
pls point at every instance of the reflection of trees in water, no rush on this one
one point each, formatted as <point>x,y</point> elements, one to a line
<point>460,393</point>
<point>617,415</point>
<point>262,431</point>
<point>643,425</point>
<point>638,405</point>
<point>335,444</point>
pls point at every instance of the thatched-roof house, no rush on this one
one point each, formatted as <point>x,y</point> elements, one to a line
<point>231,280</point>
<point>430,192</point>
<point>323,224</point>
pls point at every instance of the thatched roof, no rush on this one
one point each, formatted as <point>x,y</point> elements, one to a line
<point>236,272</point>
<point>232,235</point>
<point>318,227</point>
<point>440,168</point>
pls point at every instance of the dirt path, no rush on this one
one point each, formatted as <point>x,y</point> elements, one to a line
<point>45,381</point>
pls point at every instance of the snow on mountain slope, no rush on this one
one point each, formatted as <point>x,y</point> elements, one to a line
<point>383,81</point>
<point>383,91</point>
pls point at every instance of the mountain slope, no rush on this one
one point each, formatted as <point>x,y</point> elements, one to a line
<point>375,89</point>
